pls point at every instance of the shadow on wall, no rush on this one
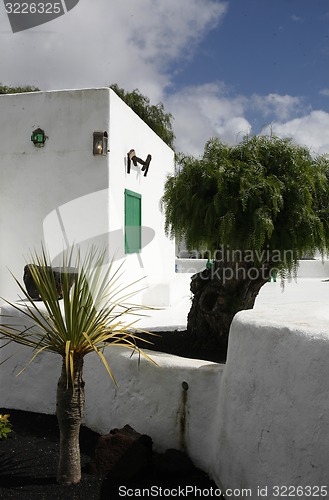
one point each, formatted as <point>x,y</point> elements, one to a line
<point>62,228</point>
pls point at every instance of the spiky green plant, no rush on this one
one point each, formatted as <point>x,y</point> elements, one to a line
<point>90,317</point>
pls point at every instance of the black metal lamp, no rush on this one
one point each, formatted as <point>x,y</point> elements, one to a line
<point>100,141</point>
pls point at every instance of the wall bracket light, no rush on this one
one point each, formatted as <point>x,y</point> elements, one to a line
<point>131,157</point>
<point>100,143</point>
<point>38,137</point>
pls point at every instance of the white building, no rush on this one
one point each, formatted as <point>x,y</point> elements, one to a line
<point>54,188</point>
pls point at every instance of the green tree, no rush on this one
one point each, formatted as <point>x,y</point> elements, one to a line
<point>89,318</point>
<point>153,115</point>
<point>6,89</point>
<point>255,208</point>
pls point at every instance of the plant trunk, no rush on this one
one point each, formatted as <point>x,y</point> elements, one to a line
<point>69,411</point>
<point>218,294</point>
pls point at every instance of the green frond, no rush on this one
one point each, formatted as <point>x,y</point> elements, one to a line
<point>91,315</point>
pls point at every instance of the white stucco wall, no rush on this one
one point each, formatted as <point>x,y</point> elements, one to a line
<point>149,397</point>
<point>37,181</point>
<point>157,260</point>
<point>261,420</point>
<point>274,399</point>
<point>62,194</point>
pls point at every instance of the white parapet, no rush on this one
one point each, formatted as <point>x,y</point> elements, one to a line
<point>166,399</point>
<point>273,410</point>
<point>312,268</point>
<point>260,421</point>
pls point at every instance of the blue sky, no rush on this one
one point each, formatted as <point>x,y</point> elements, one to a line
<point>266,46</point>
<point>273,58</point>
<point>223,68</point>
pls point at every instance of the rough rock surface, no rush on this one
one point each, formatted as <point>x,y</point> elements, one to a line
<point>123,452</point>
<point>29,457</point>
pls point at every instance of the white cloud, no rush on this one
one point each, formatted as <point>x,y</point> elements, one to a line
<point>279,106</point>
<point>133,43</point>
<point>296,19</point>
<point>167,28</point>
<point>98,43</point>
<point>310,131</point>
<point>205,111</point>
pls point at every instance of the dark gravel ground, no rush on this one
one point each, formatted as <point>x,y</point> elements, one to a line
<point>29,456</point>
<point>28,462</point>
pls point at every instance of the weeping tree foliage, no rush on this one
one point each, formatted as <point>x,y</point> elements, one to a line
<point>256,208</point>
<point>153,115</point>
<point>7,89</point>
<point>94,313</point>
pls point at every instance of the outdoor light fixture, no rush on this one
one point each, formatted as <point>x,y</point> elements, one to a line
<point>100,140</point>
<point>38,137</point>
<point>131,157</point>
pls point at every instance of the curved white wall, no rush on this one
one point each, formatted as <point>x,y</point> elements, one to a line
<point>150,398</point>
<point>261,420</point>
<point>274,400</point>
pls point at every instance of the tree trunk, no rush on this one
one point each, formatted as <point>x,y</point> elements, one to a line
<point>69,411</point>
<point>219,293</point>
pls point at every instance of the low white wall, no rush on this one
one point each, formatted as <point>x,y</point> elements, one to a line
<point>273,406</point>
<point>261,420</point>
<point>190,265</point>
<point>150,398</point>
<point>314,268</point>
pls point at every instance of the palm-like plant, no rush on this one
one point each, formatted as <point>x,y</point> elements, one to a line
<point>89,318</point>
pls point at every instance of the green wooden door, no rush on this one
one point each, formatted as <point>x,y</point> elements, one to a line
<point>133,222</point>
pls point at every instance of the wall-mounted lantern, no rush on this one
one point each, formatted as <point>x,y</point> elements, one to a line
<point>100,141</point>
<point>131,157</point>
<point>38,137</point>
